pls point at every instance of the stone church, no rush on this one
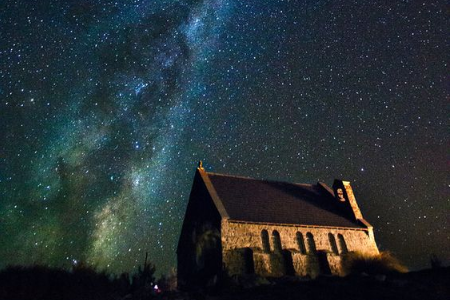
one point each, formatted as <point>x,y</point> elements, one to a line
<point>237,225</point>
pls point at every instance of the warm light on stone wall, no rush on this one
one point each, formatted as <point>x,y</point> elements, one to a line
<point>237,236</point>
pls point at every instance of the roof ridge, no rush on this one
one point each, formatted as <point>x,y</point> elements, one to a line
<point>256,179</point>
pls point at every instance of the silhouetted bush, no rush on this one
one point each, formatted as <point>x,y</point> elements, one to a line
<point>144,279</point>
<point>40,282</point>
<point>373,264</point>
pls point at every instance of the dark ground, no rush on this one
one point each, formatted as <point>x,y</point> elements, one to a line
<point>48,284</point>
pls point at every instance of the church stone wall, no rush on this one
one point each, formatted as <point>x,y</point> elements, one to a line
<point>234,260</point>
<point>305,265</point>
<point>335,264</point>
<point>268,259</point>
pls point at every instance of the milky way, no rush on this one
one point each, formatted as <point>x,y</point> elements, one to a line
<point>106,106</point>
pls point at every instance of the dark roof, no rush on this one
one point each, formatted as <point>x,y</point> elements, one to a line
<point>262,201</point>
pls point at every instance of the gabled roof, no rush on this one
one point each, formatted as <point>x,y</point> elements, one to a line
<point>263,201</point>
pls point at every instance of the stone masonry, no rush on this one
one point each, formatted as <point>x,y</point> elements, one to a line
<point>236,236</point>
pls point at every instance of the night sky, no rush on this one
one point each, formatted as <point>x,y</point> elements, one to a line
<point>107,106</point>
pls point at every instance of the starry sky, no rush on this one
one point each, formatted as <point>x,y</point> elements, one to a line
<point>107,106</point>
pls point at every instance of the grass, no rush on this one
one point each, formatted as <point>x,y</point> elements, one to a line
<point>373,264</point>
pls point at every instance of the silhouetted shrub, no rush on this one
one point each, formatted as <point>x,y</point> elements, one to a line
<point>373,264</point>
<point>144,278</point>
<point>41,282</point>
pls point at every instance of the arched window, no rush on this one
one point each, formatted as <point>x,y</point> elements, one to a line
<point>301,243</point>
<point>333,244</point>
<point>276,240</point>
<point>311,245</point>
<point>342,244</point>
<point>265,241</point>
